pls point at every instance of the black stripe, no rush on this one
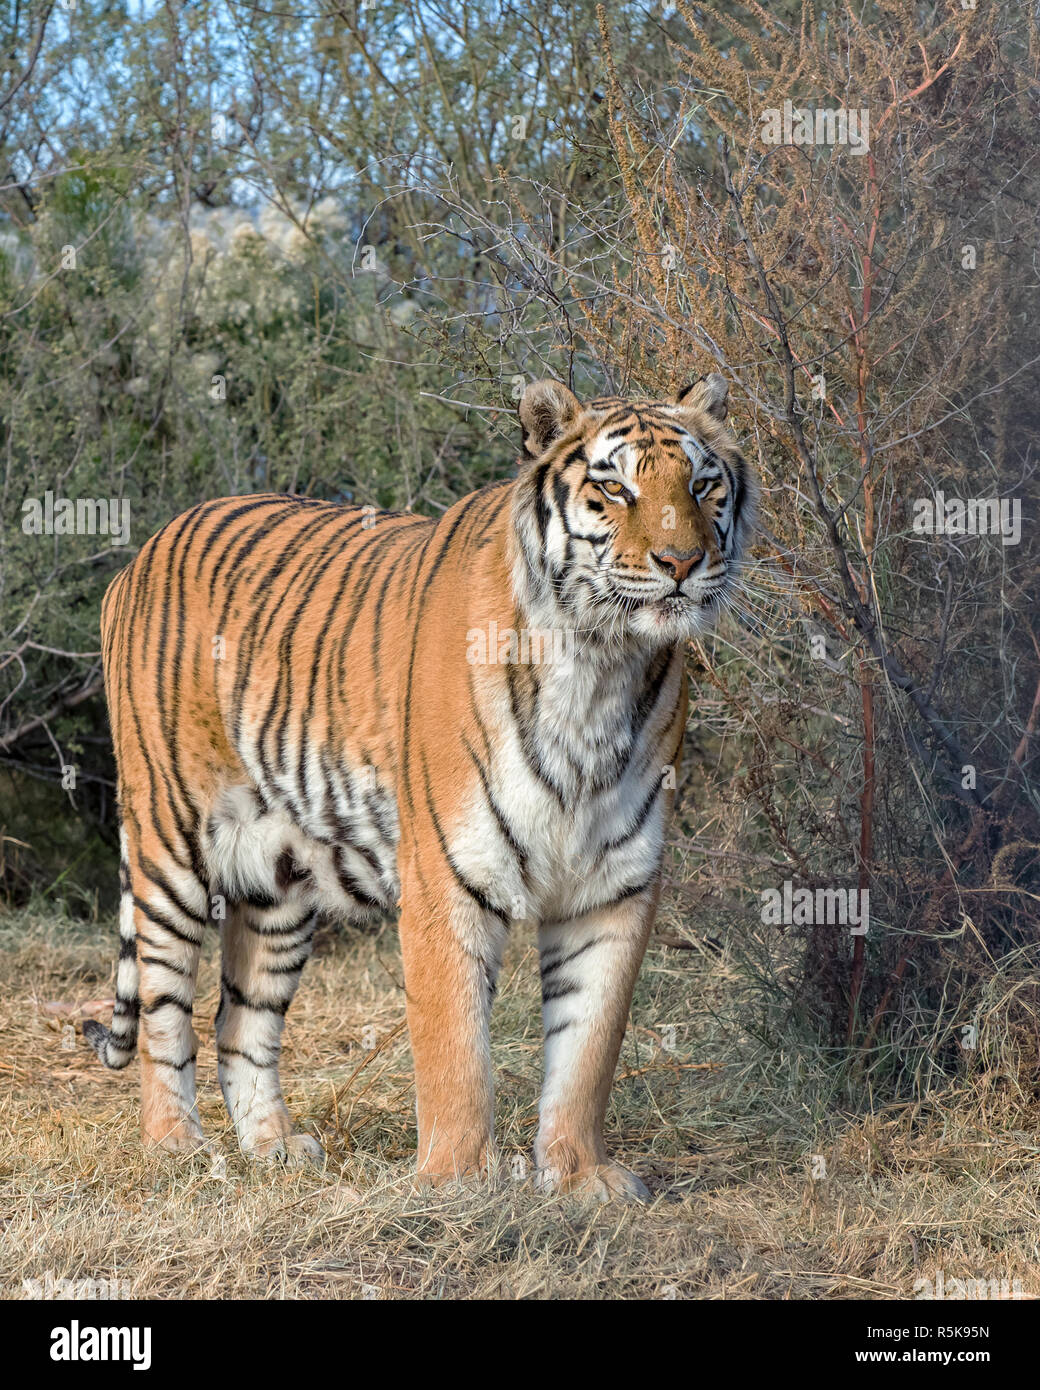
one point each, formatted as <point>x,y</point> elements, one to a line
<point>305,561</point>
<point>640,820</point>
<point>313,569</point>
<point>224,1052</point>
<point>282,948</point>
<point>500,820</point>
<point>160,921</point>
<point>466,509</point>
<point>266,931</point>
<point>168,682</point>
<point>174,1066</point>
<point>152,871</point>
<point>549,966</point>
<point>162,1001</point>
<point>351,886</point>
<point>243,1001</point>
<point>230,516</point>
<point>156,960</point>
<point>558,1028</point>
<point>473,890</point>
<point>560,991</point>
<point>290,967</point>
<point>524,722</point>
<point>623,896</point>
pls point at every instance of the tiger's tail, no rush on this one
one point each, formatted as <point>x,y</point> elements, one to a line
<point>117,1045</point>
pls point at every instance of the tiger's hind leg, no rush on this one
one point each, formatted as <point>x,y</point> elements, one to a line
<point>264,950</point>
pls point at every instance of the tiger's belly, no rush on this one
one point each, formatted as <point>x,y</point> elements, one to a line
<point>337,858</point>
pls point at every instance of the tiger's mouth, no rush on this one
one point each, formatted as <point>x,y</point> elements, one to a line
<point>673,605</point>
<point>673,617</point>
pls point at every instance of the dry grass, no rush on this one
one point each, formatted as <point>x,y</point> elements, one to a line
<point>724,1127</point>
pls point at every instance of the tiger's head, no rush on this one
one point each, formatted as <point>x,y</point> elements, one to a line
<point>631,516</point>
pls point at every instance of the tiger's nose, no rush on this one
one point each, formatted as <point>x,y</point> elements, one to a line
<point>678,564</point>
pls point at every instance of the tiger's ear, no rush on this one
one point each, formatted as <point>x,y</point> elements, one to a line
<point>547,409</point>
<point>707,393</point>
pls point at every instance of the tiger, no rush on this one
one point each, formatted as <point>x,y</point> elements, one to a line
<point>306,729</point>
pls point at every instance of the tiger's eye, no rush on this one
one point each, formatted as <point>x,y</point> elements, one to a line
<point>613,488</point>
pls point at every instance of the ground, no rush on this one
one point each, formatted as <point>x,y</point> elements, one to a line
<point>763,1186</point>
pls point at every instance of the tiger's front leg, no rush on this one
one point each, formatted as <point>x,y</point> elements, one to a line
<point>589,968</point>
<point>452,950</point>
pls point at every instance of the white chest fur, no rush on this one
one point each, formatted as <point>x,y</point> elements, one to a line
<point>569,812</point>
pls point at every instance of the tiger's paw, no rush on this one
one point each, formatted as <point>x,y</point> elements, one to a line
<point>446,1184</point>
<point>606,1182</point>
<point>295,1150</point>
<point>464,1164</point>
<point>183,1139</point>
